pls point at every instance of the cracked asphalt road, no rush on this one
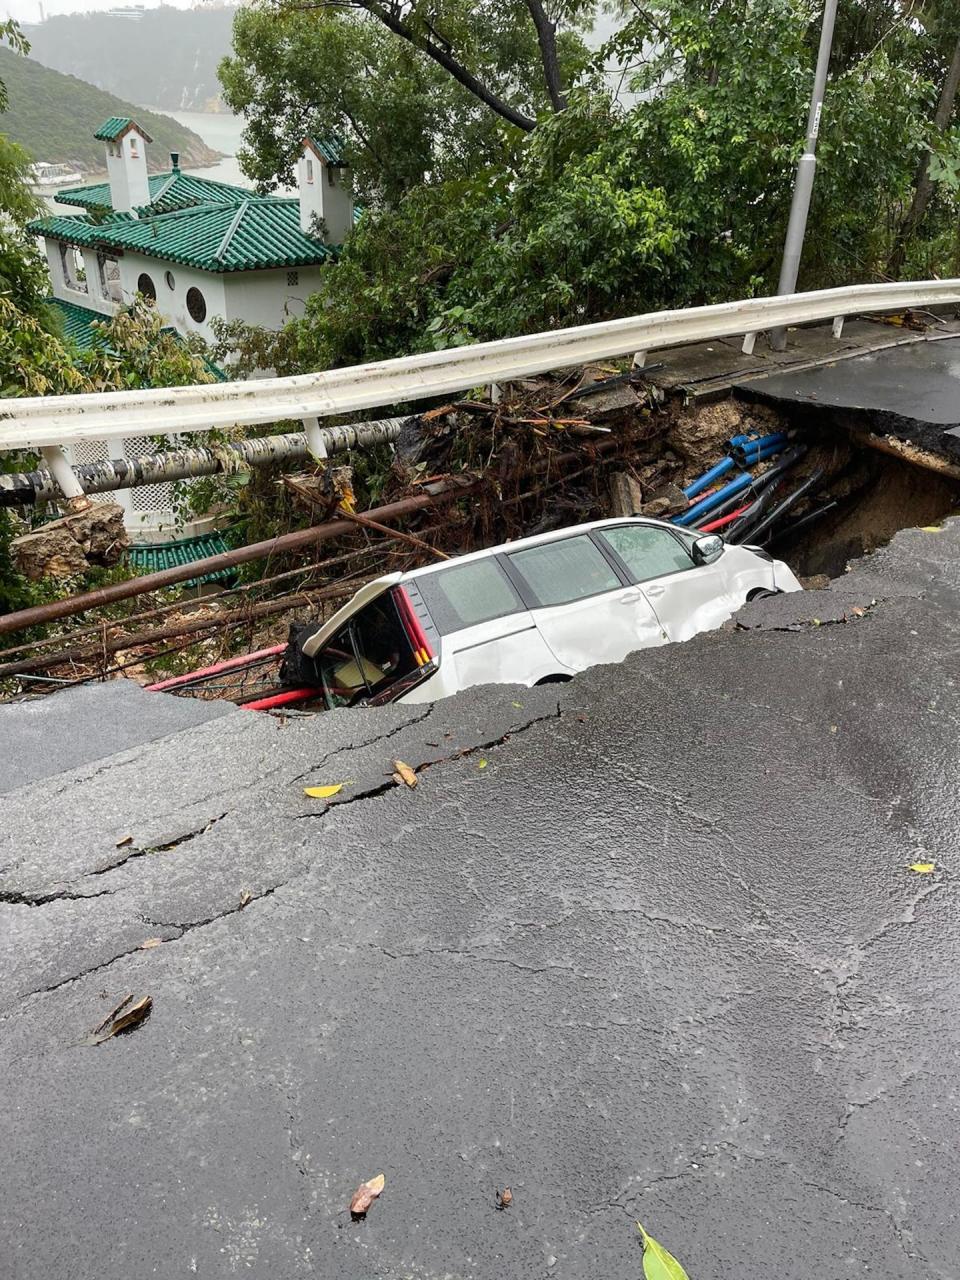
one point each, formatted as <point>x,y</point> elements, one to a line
<point>662,957</point>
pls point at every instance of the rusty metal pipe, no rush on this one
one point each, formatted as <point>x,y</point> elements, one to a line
<point>40,614</point>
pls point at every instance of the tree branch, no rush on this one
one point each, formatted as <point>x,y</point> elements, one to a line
<point>923,184</point>
<point>450,64</point>
<point>547,37</point>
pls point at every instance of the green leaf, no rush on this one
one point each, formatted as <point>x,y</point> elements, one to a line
<point>658,1264</point>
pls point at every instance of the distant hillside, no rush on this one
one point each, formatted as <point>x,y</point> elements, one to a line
<point>167,57</point>
<point>54,117</point>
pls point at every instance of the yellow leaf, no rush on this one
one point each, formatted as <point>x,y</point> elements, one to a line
<point>932,528</point>
<point>323,793</point>
<point>518,705</point>
<point>923,868</point>
<point>150,942</point>
<point>405,773</point>
<point>481,764</point>
<point>657,1263</point>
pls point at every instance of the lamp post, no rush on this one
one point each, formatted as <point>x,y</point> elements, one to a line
<point>803,186</point>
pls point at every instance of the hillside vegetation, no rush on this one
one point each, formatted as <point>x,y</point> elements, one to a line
<point>168,58</point>
<point>54,117</point>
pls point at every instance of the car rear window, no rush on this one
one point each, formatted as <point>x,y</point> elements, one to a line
<point>467,594</point>
<point>558,572</point>
<point>647,552</point>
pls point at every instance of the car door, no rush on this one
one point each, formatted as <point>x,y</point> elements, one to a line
<point>582,606</point>
<point>687,597</point>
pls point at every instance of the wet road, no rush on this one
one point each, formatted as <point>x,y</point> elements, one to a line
<point>910,391</point>
<point>642,946</point>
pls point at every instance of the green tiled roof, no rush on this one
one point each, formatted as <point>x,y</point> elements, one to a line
<point>112,128</point>
<point>150,557</point>
<point>170,190</point>
<point>181,190</point>
<point>77,323</point>
<point>76,228</point>
<point>330,146</point>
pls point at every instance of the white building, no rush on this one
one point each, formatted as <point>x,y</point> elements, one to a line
<point>195,249</point>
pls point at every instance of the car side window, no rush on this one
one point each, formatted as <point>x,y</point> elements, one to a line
<point>566,570</point>
<point>466,594</point>
<point>647,552</point>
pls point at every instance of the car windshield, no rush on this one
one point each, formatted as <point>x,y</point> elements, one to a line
<point>366,655</point>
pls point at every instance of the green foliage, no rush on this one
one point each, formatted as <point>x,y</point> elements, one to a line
<point>405,119</point>
<point>681,199</point>
<point>54,117</point>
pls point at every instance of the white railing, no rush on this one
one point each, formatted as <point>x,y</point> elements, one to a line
<point>58,420</point>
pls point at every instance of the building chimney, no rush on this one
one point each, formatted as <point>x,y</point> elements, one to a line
<point>175,161</point>
<point>323,181</point>
<point>126,145</point>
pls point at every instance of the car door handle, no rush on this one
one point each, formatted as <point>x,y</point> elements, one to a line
<point>655,591</point>
<point>633,596</point>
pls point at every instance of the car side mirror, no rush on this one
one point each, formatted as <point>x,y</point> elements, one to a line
<point>708,549</point>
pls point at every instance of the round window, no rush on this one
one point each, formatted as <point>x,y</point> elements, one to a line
<point>196,304</point>
<point>146,286</point>
<point>171,282</point>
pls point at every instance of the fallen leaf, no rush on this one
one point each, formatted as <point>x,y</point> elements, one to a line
<point>858,612</point>
<point>120,1022</point>
<point>504,1198</point>
<point>150,943</point>
<point>125,840</point>
<point>518,705</point>
<point>323,793</point>
<point>245,897</point>
<point>923,868</point>
<point>658,1264</point>
<point>113,1013</point>
<point>405,773</point>
<point>481,764</point>
<point>365,1195</point>
<point>931,528</point>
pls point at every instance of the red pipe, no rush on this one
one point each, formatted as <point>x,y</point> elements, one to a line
<point>718,524</point>
<point>229,665</point>
<point>281,699</point>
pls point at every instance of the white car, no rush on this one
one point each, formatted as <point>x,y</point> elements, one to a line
<point>530,612</point>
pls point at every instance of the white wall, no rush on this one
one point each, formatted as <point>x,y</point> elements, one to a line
<point>127,172</point>
<point>172,303</point>
<point>266,298</point>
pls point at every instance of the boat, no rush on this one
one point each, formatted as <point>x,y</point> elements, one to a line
<point>46,178</point>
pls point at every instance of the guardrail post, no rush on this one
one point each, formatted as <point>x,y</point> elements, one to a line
<point>639,359</point>
<point>315,442</point>
<point>748,341</point>
<point>67,482</point>
<point>837,326</point>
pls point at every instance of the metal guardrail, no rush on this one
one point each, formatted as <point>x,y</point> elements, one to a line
<point>50,421</point>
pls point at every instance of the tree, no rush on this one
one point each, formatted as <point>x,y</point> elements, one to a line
<point>406,115</point>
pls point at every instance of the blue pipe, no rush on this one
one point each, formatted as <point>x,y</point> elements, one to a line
<point>749,456</point>
<point>754,442</point>
<point>708,477</point>
<point>707,504</point>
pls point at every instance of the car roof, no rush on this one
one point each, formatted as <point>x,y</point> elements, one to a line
<point>378,586</point>
<point>538,539</point>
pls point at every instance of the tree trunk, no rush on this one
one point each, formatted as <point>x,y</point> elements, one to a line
<point>923,184</point>
<point>547,36</point>
<point>450,64</point>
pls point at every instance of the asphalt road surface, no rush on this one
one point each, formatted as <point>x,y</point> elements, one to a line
<point>644,946</point>
<point>910,391</point>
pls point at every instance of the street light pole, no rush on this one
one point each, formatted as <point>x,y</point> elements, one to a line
<point>803,187</point>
